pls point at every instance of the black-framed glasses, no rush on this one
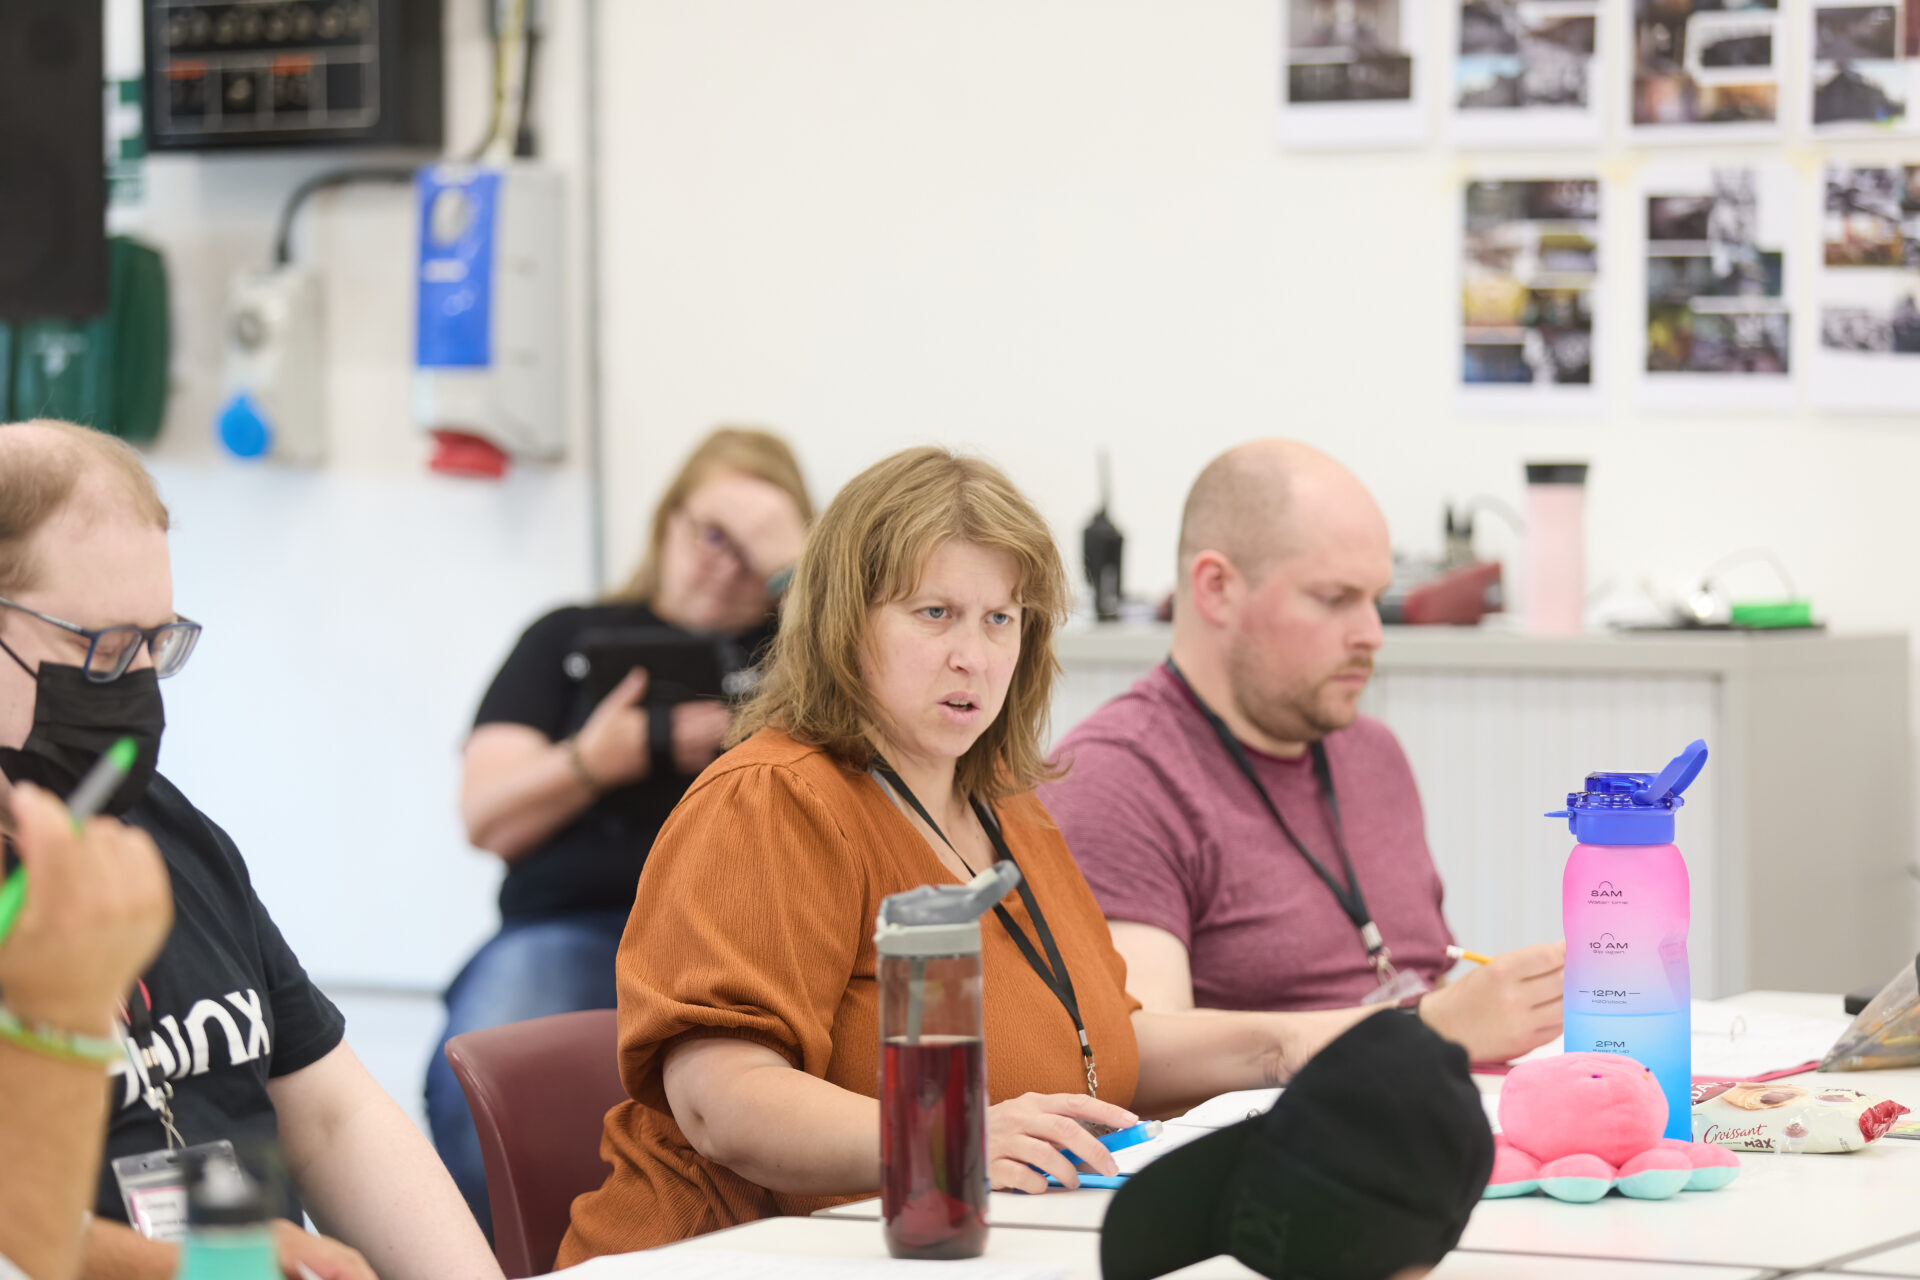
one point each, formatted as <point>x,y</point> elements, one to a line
<point>111,650</point>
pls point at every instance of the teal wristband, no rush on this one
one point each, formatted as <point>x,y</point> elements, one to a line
<point>54,1042</point>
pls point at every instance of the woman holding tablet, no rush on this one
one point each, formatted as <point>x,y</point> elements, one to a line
<point>568,783</point>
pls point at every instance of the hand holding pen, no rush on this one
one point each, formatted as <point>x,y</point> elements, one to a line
<point>100,907</point>
<point>1504,1006</point>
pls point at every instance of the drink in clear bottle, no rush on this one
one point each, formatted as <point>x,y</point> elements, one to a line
<point>1625,907</point>
<point>229,1225</point>
<point>933,1067</point>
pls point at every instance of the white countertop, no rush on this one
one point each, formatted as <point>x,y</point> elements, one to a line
<point>1482,648</point>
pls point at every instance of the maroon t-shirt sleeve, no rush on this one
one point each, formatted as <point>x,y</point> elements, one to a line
<point>1121,821</point>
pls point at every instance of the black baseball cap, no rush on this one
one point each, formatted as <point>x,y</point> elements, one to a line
<point>1368,1164</point>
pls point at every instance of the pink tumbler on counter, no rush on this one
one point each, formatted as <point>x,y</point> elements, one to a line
<point>1556,598</point>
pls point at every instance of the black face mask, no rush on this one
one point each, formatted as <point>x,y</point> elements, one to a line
<point>75,721</point>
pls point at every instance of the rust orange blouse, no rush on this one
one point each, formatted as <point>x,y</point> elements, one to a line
<point>755,917</point>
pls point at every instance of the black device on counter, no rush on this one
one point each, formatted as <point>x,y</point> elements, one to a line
<point>1101,544</point>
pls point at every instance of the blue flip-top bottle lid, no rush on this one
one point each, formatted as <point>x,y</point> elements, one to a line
<point>1633,808</point>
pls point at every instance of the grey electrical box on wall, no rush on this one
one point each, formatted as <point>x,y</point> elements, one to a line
<point>282,73</point>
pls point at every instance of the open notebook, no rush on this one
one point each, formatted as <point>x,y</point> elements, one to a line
<point>1213,1114</point>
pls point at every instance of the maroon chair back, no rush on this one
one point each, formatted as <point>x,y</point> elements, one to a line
<point>539,1091</point>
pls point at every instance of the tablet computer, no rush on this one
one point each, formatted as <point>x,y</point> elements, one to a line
<point>680,666</point>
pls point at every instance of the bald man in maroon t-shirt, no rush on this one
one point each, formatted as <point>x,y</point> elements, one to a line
<point>1255,842</point>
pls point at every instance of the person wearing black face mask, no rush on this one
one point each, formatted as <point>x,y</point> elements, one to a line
<point>79,712</point>
<point>230,1041</point>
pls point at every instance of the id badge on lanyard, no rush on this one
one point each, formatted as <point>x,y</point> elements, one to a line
<point>153,1187</point>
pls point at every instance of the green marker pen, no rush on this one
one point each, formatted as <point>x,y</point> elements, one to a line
<point>87,798</point>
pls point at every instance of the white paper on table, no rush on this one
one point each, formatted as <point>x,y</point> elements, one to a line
<point>1233,1108</point>
<point>733,1264</point>
<point>1732,1043</point>
<point>1230,1108</point>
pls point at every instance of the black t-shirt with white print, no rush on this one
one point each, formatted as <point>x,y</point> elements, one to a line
<point>231,1007</point>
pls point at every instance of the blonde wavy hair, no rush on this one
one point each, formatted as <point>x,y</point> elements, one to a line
<point>869,548</point>
<point>746,450</point>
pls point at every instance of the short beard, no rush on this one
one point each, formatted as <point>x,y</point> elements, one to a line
<point>1291,712</point>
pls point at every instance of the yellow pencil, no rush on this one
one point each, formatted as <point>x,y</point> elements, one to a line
<point>1461,953</point>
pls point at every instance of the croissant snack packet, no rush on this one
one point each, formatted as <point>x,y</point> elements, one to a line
<point>1784,1117</point>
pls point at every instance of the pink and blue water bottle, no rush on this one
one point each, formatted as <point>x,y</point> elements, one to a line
<point>1624,903</point>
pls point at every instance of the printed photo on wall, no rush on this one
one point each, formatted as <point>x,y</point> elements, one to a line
<point>1705,69</point>
<point>1868,355</point>
<point>1349,72</point>
<point>1718,327</point>
<point>1526,71</point>
<point>1529,287</point>
<point>1866,66</point>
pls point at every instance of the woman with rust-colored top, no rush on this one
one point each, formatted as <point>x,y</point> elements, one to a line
<point>910,678</point>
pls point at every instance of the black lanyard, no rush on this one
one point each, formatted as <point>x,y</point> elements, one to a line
<point>1052,970</point>
<point>137,1016</point>
<point>1348,895</point>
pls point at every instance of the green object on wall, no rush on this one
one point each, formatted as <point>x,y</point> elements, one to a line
<point>109,372</point>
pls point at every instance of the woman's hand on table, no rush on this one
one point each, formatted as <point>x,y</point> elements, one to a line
<point>1026,1135</point>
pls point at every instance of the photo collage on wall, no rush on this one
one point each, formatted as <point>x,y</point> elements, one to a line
<point>1718,326</point>
<point>1351,72</point>
<point>1721,273</point>
<point>1866,61</point>
<point>1869,289</point>
<point>1529,270</point>
<point>1705,68</point>
<point>1527,71</point>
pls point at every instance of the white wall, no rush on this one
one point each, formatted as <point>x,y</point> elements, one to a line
<point>354,613</point>
<point>1037,227</point>
<point>1033,227</point>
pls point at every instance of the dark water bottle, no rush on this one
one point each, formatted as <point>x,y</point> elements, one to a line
<point>933,1067</point>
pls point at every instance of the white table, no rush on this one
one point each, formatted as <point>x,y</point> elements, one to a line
<point>1784,1212</point>
<point>1831,1216</point>
<point>1901,1261</point>
<point>1077,1254</point>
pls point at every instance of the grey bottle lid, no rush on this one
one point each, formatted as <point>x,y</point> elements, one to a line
<point>942,920</point>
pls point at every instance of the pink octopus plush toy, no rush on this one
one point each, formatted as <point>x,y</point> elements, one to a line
<point>1581,1124</point>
